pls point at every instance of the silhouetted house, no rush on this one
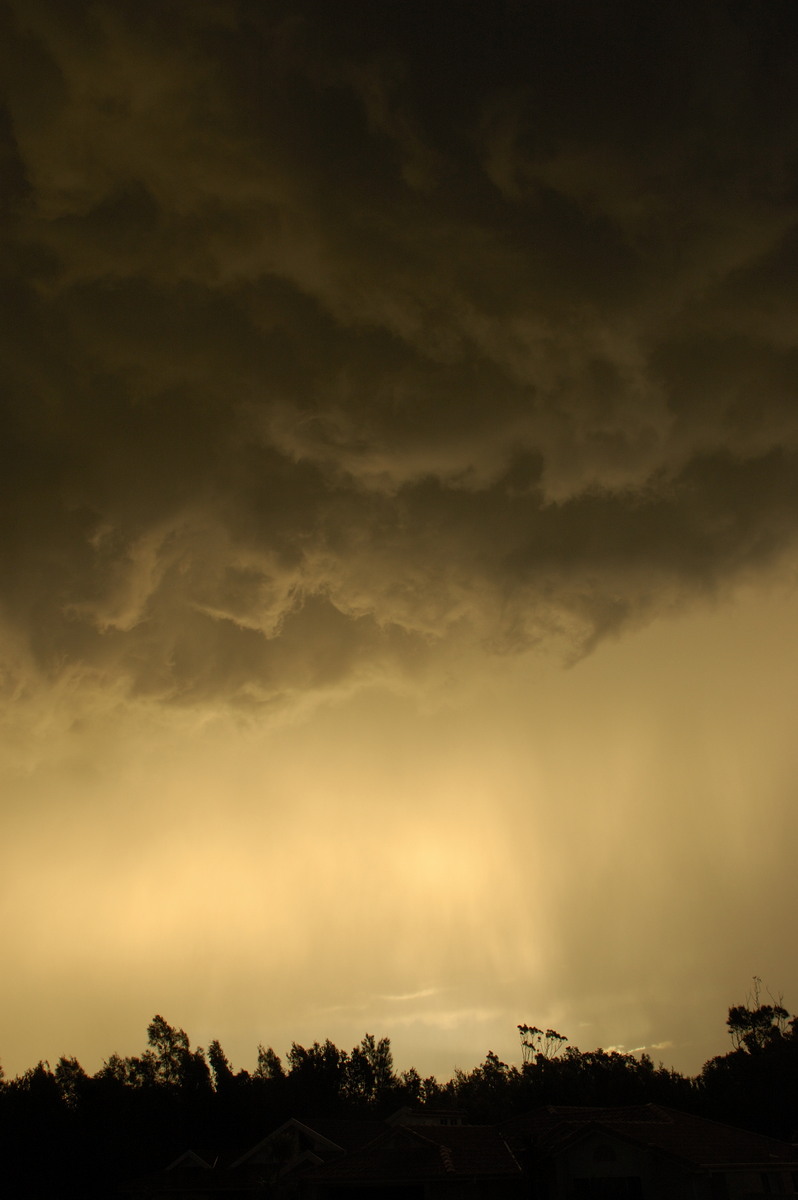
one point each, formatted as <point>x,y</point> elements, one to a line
<point>280,1159</point>
<point>272,1167</point>
<point>190,1176</point>
<point>422,1162</point>
<point>639,1152</point>
<point>646,1152</point>
<point>414,1155</point>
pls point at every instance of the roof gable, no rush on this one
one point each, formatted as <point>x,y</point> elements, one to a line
<point>301,1139</point>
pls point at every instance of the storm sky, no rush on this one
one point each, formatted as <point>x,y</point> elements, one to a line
<point>398,523</point>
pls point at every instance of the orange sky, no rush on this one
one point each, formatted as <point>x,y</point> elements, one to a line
<point>398,519</point>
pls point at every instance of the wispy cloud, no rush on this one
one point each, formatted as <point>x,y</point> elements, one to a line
<point>408,996</point>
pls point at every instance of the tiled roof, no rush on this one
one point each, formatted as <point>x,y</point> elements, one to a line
<point>473,1149</point>
<point>433,1152</point>
<point>690,1138</point>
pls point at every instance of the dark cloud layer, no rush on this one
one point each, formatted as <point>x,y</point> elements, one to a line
<point>334,331</point>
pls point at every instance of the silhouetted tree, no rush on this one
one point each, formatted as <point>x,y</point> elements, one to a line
<point>72,1080</point>
<point>317,1075</point>
<point>538,1042</point>
<point>755,1026</point>
<point>223,1077</point>
<point>490,1092</point>
<point>756,1083</point>
<point>269,1064</point>
<point>174,1063</point>
<point>369,1075</point>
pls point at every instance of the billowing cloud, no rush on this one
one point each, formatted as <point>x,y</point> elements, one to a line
<point>330,336</point>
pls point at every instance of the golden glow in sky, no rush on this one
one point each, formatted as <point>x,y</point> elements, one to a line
<point>576,844</point>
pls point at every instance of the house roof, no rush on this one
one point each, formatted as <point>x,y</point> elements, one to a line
<point>348,1134</point>
<point>405,1154</point>
<point>188,1159</point>
<point>695,1140</point>
<point>325,1138</point>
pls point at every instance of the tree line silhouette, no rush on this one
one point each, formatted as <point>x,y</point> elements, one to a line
<point>64,1132</point>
